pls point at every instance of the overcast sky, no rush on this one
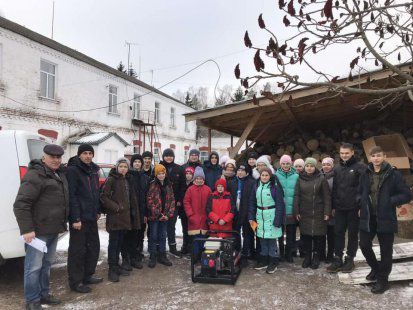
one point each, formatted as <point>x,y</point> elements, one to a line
<point>170,34</point>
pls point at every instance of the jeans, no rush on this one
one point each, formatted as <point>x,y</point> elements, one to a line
<point>37,269</point>
<point>269,247</point>
<point>346,220</point>
<point>115,246</point>
<point>171,228</point>
<point>312,244</point>
<point>384,267</point>
<point>157,236</point>
<point>83,255</point>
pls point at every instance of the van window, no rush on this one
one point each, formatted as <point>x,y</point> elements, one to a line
<point>35,148</point>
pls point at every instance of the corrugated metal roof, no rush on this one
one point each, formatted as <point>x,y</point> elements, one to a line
<point>98,137</point>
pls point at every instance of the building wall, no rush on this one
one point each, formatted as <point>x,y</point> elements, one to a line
<point>78,86</point>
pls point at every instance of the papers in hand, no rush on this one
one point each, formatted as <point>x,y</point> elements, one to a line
<point>37,244</point>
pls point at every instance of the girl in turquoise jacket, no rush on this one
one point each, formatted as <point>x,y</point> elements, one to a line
<point>267,209</point>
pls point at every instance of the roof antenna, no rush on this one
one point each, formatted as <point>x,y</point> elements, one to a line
<point>52,20</point>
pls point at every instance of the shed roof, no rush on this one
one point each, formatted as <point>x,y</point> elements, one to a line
<point>97,138</point>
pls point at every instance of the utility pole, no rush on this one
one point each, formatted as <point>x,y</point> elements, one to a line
<point>128,44</point>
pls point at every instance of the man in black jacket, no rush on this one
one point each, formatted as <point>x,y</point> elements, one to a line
<point>193,160</point>
<point>41,209</point>
<point>176,177</point>
<point>346,205</point>
<point>84,245</point>
<point>147,164</point>
<point>382,190</point>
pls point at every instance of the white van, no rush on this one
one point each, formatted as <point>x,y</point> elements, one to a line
<point>17,149</point>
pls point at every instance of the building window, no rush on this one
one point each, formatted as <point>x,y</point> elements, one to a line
<point>113,99</point>
<point>136,106</point>
<point>204,156</point>
<point>47,79</point>
<point>157,112</point>
<point>186,127</point>
<point>111,156</point>
<point>156,155</point>
<point>172,118</point>
<point>186,153</point>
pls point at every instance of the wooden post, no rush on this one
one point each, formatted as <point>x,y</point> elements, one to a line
<point>209,140</point>
<point>234,150</point>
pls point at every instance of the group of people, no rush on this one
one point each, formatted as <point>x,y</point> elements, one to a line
<point>265,206</point>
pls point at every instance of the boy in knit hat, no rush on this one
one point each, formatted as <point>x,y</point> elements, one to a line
<point>195,202</point>
<point>147,163</point>
<point>161,207</point>
<point>252,159</point>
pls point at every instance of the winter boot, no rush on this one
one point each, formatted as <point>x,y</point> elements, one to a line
<point>307,260</point>
<point>34,305</point>
<point>289,255</point>
<point>315,262</point>
<point>348,265</point>
<point>50,300</point>
<point>262,262</point>
<point>372,276</point>
<point>136,263</point>
<point>163,259</point>
<point>152,261</point>
<point>126,264</point>
<point>329,258</point>
<point>336,265</point>
<point>173,251</point>
<point>282,249</point>
<point>113,275</point>
<point>122,272</point>
<point>185,250</point>
<point>380,286</point>
<point>272,266</point>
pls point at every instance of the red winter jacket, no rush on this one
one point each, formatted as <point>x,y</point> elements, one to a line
<point>220,207</point>
<point>195,202</point>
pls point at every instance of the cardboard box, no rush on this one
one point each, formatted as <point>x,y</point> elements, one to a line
<point>397,150</point>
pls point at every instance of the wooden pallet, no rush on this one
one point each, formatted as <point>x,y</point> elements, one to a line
<point>400,272</point>
<point>400,251</point>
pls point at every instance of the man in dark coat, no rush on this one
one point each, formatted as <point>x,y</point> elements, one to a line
<point>212,170</point>
<point>346,205</point>
<point>41,209</point>
<point>382,190</point>
<point>193,160</point>
<point>147,164</point>
<point>176,176</point>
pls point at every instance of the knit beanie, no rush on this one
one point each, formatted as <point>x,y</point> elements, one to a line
<point>85,148</point>
<point>159,169</point>
<point>194,152</point>
<point>253,155</point>
<point>147,154</point>
<point>190,170</point>
<point>264,159</point>
<point>231,162</point>
<point>223,160</point>
<point>328,160</point>
<point>245,167</point>
<point>136,157</point>
<point>285,159</point>
<point>121,161</point>
<point>299,162</point>
<point>311,161</point>
<point>168,152</point>
<point>199,173</point>
<point>221,182</point>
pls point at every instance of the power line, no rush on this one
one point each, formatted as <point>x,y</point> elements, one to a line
<point>119,103</point>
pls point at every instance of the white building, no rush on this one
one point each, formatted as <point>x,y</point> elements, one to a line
<point>51,89</point>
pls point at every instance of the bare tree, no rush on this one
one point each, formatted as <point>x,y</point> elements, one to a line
<point>381,32</point>
<point>224,95</point>
<point>179,95</point>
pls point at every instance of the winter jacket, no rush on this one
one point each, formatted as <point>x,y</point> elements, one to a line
<point>175,176</point>
<point>392,192</point>
<point>195,202</point>
<point>212,172</point>
<point>312,201</point>
<point>220,207</point>
<point>288,181</point>
<point>346,184</point>
<point>42,202</point>
<point>140,184</point>
<point>242,214</point>
<point>148,173</point>
<point>269,221</point>
<point>160,200</point>
<point>84,192</point>
<point>232,187</point>
<point>329,176</point>
<point>119,202</point>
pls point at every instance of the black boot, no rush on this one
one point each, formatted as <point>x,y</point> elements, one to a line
<point>262,262</point>
<point>136,263</point>
<point>152,261</point>
<point>282,250</point>
<point>315,262</point>
<point>307,260</point>
<point>348,265</point>
<point>121,271</point>
<point>126,264</point>
<point>81,288</point>
<point>380,286</point>
<point>163,259</point>
<point>336,265</point>
<point>50,300</point>
<point>113,275</point>
<point>289,255</point>
<point>372,276</point>
<point>34,305</point>
<point>174,251</point>
<point>272,266</point>
<point>329,258</point>
<point>185,249</point>
<point>92,280</point>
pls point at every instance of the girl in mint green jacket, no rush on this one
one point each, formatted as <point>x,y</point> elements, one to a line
<point>267,209</point>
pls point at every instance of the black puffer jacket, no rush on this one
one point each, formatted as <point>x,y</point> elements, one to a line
<point>176,177</point>
<point>140,183</point>
<point>84,193</point>
<point>247,187</point>
<point>42,202</point>
<point>392,192</point>
<point>346,184</point>
<point>212,172</point>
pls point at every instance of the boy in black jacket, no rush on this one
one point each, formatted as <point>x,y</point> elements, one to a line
<point>382,190</point>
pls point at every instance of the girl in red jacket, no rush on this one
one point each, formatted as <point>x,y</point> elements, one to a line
<point>195,202</point>
<point>220,209</point>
